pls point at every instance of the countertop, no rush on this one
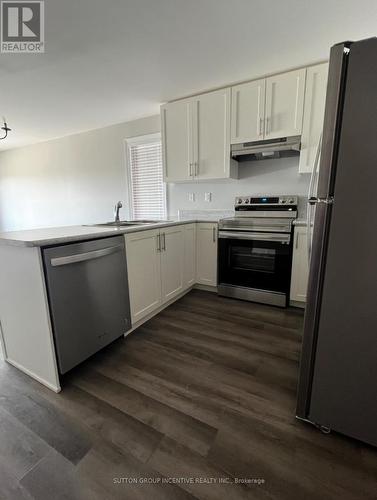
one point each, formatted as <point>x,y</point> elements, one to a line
<point>66,234</point>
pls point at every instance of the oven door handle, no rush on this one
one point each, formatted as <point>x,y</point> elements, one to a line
<point>276,238</point>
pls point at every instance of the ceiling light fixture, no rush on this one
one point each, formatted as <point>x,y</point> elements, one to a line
<point>6,129</point>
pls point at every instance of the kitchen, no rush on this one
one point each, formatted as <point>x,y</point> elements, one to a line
<point>157,340</point>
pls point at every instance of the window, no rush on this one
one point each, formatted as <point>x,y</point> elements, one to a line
<point>147,191</point>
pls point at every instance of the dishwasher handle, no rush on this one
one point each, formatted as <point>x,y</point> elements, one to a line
<point>81,257</point>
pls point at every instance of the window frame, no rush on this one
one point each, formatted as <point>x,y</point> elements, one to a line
<point>132,141</point>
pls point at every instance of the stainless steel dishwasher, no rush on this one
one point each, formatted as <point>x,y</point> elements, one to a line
<point>88,296</point>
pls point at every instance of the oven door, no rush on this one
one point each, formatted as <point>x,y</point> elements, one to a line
<point>259,261</point>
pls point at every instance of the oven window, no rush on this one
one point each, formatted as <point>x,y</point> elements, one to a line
<point>264,265</point>
<point>252,259</point>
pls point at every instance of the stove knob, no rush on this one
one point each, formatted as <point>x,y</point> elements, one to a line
<point>291,201</point>
<point>247,200</point>
<point>239,201</point>
<point>283,201</point>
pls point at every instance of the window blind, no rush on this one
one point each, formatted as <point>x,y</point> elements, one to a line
<point>147,186</point>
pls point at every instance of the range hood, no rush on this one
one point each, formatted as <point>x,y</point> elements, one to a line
<point>263,150</point>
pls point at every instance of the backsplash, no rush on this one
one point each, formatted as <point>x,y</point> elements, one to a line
<point>255,178</point>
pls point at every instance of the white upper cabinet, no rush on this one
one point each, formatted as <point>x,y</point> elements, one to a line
<point>269,108</point>
<point>284,104</point>
<point>211,120</point>
<point>248,104</point>
<point>196,138</point>
<point>314,110</point>
<point>176,125</point>
<point>197,132</point>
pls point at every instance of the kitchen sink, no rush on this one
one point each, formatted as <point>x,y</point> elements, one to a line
<point>117,224</point>
<point>127,223</point>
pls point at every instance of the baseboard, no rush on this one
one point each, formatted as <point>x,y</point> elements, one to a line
<point>33,375</point>
<point>3,348</point>
<point>297,303</point>
<point>206,288</point>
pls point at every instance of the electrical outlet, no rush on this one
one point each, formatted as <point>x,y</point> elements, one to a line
<point>207,196</point>
<point>191,196</point>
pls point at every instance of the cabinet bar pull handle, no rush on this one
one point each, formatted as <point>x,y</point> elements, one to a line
<point>158,243</point>
<point>214,234</point>
<point>260,125</point>
<point>296,240</point>
<point>163,242</point>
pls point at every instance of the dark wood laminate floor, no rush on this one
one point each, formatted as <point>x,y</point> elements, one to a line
<point>204,392</point>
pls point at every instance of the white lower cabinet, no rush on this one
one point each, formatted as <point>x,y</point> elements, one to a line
<point>189,275</point>
<point>300,266</point>
<point>144,272</point>
<point>161,265</point>
<point>172,261</point>
<point>206,254</point>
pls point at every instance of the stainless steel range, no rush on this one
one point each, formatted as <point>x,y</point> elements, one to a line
<point>255,249</point>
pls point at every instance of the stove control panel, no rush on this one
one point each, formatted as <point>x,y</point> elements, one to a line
<point>266,200</point>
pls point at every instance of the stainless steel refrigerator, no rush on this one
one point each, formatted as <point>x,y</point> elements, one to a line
<point>338,370</point>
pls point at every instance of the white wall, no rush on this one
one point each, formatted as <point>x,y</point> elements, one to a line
<point>78,179</point>
<point>73,180</point>
<point>279,176</point>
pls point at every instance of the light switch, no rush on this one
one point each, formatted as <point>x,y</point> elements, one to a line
<point>191,196</point>
<point>207,196</point>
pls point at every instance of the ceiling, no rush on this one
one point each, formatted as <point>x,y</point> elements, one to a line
<point>110,61</point>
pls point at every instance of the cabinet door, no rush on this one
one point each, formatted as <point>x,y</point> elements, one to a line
<point>247,121</point>
<point>300,268</point>
<point>189,255</point>
<point>284,104</point>
<point>206,254</point>
<point>172,259</point>
<point>144,273</point>
<point>176,126</point>
<point>314,111</point>
<point>211,123</point>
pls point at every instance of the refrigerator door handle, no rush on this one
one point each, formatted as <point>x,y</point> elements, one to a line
<point>314,201</point>
<point>315,168</point>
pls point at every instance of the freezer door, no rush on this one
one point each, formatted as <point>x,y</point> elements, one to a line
<point>329,150</point>
<point>88,296</point>
<point>344,388</point>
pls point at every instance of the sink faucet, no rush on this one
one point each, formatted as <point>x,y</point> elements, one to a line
<point>117,207</point>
